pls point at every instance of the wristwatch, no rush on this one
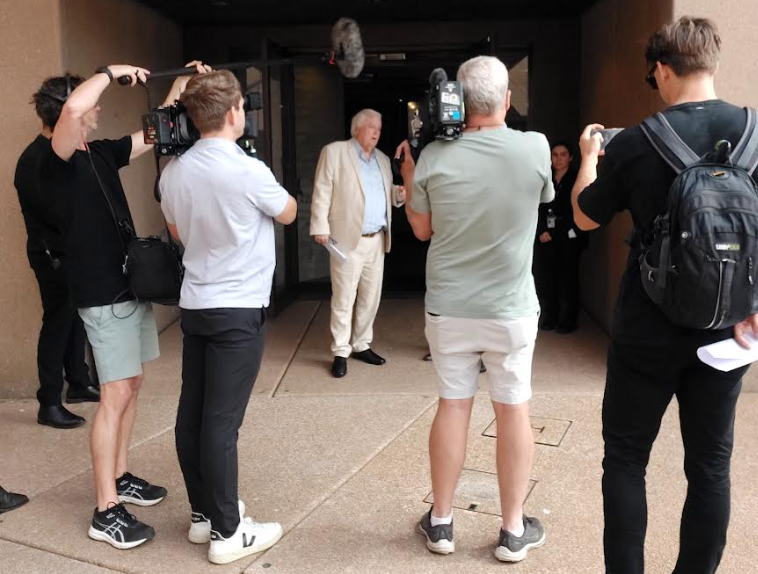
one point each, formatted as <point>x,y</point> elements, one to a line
<point>106,71</point>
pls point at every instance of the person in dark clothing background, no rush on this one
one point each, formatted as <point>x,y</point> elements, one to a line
<point>558,247</point>
<point>62,337</point>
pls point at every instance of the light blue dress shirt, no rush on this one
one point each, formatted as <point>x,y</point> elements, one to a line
<point>375,215</point>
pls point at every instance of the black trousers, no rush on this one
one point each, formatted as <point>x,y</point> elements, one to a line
<point>62,337</point>
<point>639,386</point>
<point>222,354</point>
<point>556,270</point>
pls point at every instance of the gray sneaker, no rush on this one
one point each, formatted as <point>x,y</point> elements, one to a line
<point>514,548</point>
<point>439,539</point>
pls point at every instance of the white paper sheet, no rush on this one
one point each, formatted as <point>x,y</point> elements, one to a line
<point>728,355</point>
<point>331,247</point>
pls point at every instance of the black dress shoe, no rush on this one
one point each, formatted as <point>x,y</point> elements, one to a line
<point>339,367</point>
<point>59,417</point>
<point>427,357</point>
<point>11,500</point>
<point>368,356</point>
<point>547,326</point>
<point>90,393</point>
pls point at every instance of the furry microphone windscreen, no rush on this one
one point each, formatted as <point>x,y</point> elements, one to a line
<point>348,47</point>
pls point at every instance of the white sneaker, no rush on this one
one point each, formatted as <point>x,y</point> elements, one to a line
<point>200,529</point>
<point>250,537</point>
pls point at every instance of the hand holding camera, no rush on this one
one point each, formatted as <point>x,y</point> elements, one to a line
<point>591,142</point>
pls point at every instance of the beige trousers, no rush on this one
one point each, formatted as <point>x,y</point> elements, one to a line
<point>356,293</point>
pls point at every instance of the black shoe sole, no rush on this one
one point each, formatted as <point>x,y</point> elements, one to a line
<point>19,505</point>
<point>59,426</point>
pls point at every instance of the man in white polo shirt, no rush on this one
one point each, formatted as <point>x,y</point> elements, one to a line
<point>221,204</point>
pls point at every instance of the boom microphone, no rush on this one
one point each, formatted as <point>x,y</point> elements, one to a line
<point>347,47</point>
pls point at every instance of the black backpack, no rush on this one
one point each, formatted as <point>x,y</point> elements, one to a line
<point>700,267</point>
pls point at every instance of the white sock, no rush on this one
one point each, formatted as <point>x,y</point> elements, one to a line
<point>438,521</point>
<point>519,532</point>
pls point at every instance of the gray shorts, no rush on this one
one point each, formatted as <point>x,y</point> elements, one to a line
<point>123,336</point>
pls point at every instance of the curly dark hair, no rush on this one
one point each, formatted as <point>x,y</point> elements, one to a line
<point>49,99</point>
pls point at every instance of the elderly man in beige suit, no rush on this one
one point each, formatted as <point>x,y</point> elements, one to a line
<point>353,195</point>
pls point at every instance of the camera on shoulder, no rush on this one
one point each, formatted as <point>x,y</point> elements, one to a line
<point>441,114</point>
<point>171,131</point>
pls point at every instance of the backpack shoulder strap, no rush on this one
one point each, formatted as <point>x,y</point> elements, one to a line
<point>667,143</point>
<point>745,155</point>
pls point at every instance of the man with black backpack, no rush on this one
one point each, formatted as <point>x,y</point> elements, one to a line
<point>694,239</point>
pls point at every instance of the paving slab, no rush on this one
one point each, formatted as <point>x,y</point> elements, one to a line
<point>368,525</point>
<point>574,362</point>
<point>37,458</point>
<point>285,333</point>
<point>294,453</point>
<point>18,558</point>
<point>398,336</point>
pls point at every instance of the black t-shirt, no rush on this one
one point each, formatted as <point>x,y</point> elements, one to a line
<point>45,211</point>
<point>633,176</point>
<point>95,245</point>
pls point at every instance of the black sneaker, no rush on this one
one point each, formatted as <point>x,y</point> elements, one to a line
<point>439,539</point>
<point>119,528</point>
<point>514,548</point>
<point>134,490</point>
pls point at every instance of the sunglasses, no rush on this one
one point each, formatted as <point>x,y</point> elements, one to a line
<point>650,78</point>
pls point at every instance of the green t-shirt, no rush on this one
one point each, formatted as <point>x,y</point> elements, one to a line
<point>483,191</point>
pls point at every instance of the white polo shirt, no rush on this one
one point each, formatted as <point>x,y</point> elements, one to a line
<point>222,203</point>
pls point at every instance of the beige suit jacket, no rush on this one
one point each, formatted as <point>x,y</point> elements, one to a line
<point>339,201</point>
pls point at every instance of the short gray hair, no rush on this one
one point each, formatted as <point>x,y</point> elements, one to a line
<point>360,118</point>
<point>485,84</point>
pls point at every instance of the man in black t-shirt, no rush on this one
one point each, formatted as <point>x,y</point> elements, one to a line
<point>122,331</point>
<point>651,359</point>
<point>61,338</point>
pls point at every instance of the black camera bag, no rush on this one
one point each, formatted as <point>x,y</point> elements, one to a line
<point>152,266</point>
<point>154,269</point>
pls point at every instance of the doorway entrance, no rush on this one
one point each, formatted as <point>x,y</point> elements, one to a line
<point>307,107</point>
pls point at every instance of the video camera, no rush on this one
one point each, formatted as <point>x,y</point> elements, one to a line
<point>445,108</point>
<point>439,117</point>
<point>171,131</point>
<point>441,114</point>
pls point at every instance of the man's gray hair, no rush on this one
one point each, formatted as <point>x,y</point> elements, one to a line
<point>360,118</point>
<point>485,84</point>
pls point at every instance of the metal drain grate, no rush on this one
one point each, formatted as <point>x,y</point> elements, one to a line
<point>478,492</point>
<point>547,431</point>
